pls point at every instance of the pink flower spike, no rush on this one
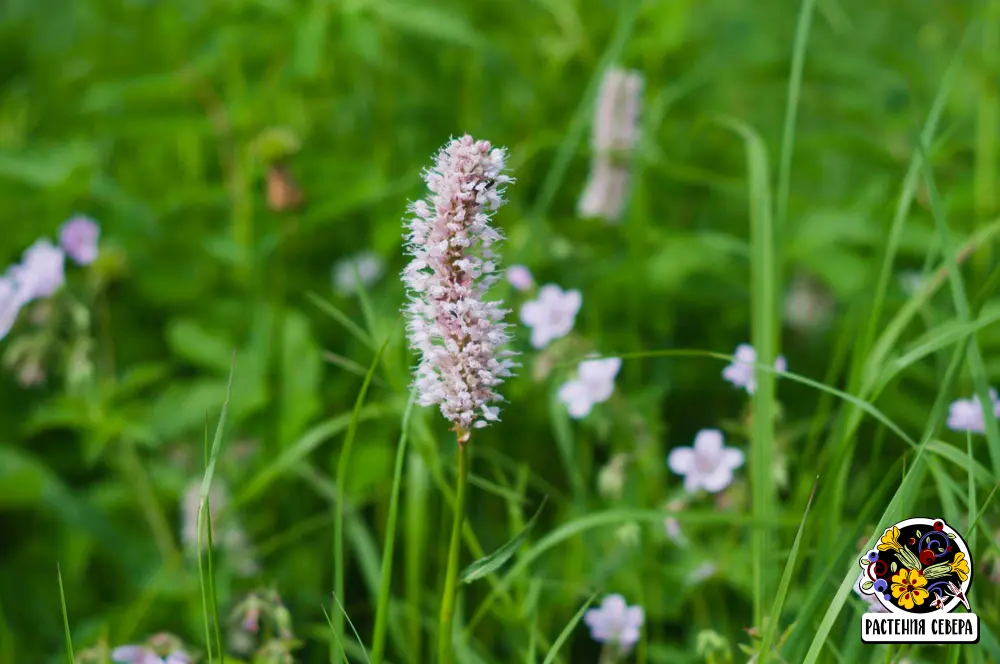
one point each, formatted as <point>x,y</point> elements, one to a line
<point>460,335</point>
<point>79,237</point>
<point>520,277</point>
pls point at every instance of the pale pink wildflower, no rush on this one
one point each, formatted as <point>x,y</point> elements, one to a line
<point>708,464</point>
<point>41,271</point>
<point>520,277</point>
<point>552,315</point>
<point>594,383</point>
<point>968,414</point>
<point>460,335</point>
<point>615,622</point>
<point>143,655</point>
<point>10,304</point>
<point>615,133</point>
<point>741,372</point>
<point>79,237</point>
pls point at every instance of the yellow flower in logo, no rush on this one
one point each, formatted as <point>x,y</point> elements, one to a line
<point>960,566</point>
<point>890,540</point>
<point>908,588</point>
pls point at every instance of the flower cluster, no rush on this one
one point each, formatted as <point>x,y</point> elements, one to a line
<point>262,625</point>
<point>615,134</point>
<point>41,271</point>
<point>459,334</point>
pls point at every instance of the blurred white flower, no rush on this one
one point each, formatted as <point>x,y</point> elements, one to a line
<point>461,336</point>
<point>594,383</point>
<point>874,606</point>
<point>551,315</point>
<point>741,372</point>
<point>520,277</point>
<point>142,655</point>
<point>708,464</point>
<point>362,269</point>
<point>615,622</point>
<point>229,536</point>
<point>41,272</point>
<point>808,305</point>
<point>629,533</point>
<point>10,304</point>
<point>79,237</point>
<point>615,133</point>
<point>706,570</point>
<point>968,415</point>
<point>911,281</point>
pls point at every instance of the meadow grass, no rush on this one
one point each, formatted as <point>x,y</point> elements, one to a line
<point>851,142</point>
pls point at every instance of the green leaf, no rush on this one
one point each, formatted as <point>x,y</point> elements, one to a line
<point>197,345</point>
<point>493,562</point>
<point>301,371</point>
<point>867,585</point>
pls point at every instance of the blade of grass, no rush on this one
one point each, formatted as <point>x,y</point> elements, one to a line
<point>491,563</point>
<point>335,639</point>
<point>343,463</point>
<point>65,616</point>
<point>566,631</point>
<point>764,271</point>
<point>791,112</point>
<point>385,586</point>
<point>333,312</point>
<point>208,594</point>
<point>355,631</point>
<point>417,497</point>
<point>786,579</point>
<point>955,280</point>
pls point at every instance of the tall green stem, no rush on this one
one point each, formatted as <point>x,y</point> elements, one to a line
<point>445,630</point>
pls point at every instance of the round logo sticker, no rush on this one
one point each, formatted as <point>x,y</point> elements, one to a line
<point>918,566</point>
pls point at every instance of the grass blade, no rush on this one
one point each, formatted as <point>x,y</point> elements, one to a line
<point>786,580</point>
<point>491,563</point>
<point>333,312</point>
<point>792,111</point>
<point>65,616</point>
<point>567,630</point>
<point>385,585</point>
<point>343,463</point>
<point>208,593</point>
<point>764,271</point>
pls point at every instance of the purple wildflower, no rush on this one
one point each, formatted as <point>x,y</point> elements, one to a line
<point>78,238</point>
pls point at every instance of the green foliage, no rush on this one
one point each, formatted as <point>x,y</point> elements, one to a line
<point>853,144</point>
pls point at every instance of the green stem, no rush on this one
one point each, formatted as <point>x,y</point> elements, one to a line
<point>445,653</point>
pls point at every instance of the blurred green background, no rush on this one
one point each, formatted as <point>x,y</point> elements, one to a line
<point>165,120</point>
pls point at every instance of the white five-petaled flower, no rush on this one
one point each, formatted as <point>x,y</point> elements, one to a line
<point>615,133</point>
<point>520,277</point>
<point>708,464</point>
<point>552,315</point>
<point>594,383</point>
<point>741,372</point>
<point>968,414</point>
<point>362,269</point>
<point>143,655</point>
<point>615,622</point>
<point>460,335</point>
